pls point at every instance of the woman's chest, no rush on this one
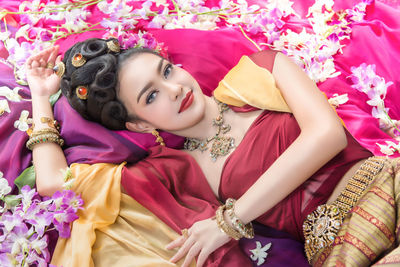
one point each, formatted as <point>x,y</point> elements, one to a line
<point>213,169</point>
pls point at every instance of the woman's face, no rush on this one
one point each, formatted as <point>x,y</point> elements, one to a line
<point>163,95</point>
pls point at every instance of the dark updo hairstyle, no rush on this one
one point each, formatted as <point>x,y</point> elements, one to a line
<point>100,76</point>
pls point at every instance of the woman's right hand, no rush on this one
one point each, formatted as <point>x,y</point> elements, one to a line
<point>42,80</point>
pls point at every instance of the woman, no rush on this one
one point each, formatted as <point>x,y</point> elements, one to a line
<point>163,96</point>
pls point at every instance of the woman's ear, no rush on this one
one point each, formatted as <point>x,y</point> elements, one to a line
<point>139,126</point>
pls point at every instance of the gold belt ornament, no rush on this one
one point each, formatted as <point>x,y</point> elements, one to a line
<point>322,225</point>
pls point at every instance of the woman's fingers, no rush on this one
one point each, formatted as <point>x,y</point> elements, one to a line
<point>58,59</point>
<point>204,253</point>
<point>53,54</point>
<point>176,243</point>
<point>183,250</point>
<point>194,250</point>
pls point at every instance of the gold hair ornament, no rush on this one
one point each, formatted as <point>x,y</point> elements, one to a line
<point>59,69</point>
<point>82,92</point>
<point>113,46</point>
<point>78,60</point>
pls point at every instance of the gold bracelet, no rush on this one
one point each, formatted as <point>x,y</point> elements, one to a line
<point>44,131</point>
<point>44,138</point>
<point>223,226</point>
<point>246,230</point>
<point>50,122</point>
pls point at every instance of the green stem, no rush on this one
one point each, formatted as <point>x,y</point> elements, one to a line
<point>178,11</point>
<point>391,121</point>
<point>54,9</point>
<point>78,32</point>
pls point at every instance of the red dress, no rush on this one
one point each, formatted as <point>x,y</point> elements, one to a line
<point>179,194</point>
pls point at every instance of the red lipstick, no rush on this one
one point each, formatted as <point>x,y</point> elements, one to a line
<point>187,101</point>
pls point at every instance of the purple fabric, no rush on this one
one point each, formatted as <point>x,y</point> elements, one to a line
<point>284,250</point>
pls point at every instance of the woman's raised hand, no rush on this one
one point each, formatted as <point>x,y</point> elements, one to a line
<point>203,238</point>
<point>42,80</point>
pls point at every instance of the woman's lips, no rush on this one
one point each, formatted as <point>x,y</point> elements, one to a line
<point>187,101</point>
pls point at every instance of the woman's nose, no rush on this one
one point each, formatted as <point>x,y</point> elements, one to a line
<point>175,90</point>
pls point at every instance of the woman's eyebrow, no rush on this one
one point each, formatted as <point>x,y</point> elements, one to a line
<point>149,84</point>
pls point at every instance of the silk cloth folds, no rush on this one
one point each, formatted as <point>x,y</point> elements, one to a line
<point>113,229</point>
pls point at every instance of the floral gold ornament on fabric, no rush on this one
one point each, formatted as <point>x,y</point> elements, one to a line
<point>221,144</point>
<point>59,69</point>
<point>82,92</point>
<point>78,60</point>
<point>322,225</point>
<point>113,46</point>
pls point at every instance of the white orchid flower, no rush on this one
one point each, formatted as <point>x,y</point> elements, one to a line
<point>4,107</point>
<point>11,95</point>
<point>337,100</point>
<point>23,121</point>
<point>4,187</point>
<point>386,149</point>
<point>260,253</point>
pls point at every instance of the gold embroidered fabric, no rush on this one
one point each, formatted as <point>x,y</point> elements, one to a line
<point>322,225</point>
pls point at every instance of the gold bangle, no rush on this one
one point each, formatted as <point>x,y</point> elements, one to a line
<point>51,122</point>
<point>44,138</point>
<point>223,226</point>
<point>246,230</point>
<point>44,131</point>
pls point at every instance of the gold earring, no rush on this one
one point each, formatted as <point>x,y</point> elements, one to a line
<point>159,139</point>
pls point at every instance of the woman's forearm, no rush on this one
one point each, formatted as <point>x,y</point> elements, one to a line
<point>309,152</point>
<point>48,158</point>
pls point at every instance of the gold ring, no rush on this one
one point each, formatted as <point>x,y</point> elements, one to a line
<point>185,233</point>
<point>50,65</point>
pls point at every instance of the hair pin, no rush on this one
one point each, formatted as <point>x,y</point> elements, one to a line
<point>78,60</point>
<point>82,92</point>
<point>59,69</point>
<point>113,45</point>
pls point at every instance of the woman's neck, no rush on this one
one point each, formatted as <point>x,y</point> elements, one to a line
<point>204,128</point>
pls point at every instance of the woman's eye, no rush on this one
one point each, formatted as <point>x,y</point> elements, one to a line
<point>167,70</point>
<point>151,97</point>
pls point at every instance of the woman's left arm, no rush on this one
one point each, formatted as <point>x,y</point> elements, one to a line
<point>322,137</point>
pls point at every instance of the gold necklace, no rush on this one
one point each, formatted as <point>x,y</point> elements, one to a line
<point>221,144</point>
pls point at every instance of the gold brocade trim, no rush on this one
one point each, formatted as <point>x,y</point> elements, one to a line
<point>322,225</point>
